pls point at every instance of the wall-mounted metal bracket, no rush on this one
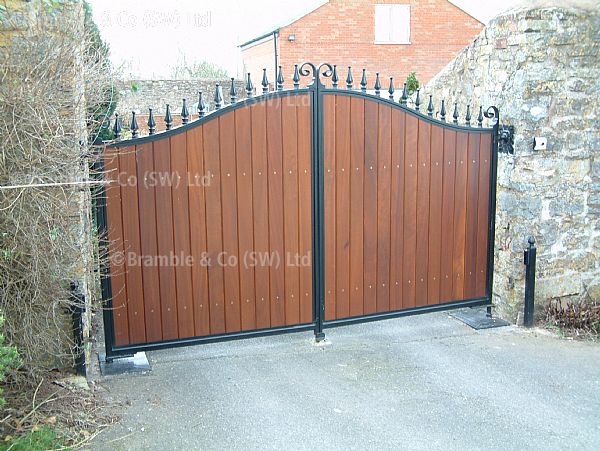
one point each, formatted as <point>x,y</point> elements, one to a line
<point>506,139</point>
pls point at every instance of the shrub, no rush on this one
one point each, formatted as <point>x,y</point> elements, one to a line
<point>412,84</point>
<point>9,360</point>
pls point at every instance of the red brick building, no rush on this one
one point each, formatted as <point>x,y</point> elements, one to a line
<point>393,37</point>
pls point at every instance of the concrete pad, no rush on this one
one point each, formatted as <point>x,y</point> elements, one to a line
<point>422,382</point>
<point>125,365</point>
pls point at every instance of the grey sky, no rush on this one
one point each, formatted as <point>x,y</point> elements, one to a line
<point>148,37</point>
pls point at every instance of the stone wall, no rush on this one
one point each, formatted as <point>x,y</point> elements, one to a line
<point>539,64</point>
<point>139,95</point>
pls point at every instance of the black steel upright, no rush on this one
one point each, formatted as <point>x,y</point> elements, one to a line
<point>318,191</point>
<point>529,260</point>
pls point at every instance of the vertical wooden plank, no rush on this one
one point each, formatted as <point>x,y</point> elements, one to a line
<point>357,169</point>
<point>370,206</point>
<point>483,206</point>
<point>116,253</point>
<point>214,237</point>
<point>276,207</point>
<point>290,200</point>
<point>148,244</point>
<point>305,206</point>
<point>181,235</point>
<point>446,270</point>
<point>131,245</point>
<point>472,202</point>
<point>384,161</point>
<point>435,214</point>
<point>423,177</point>
<point>460,211</point>
<point>410,212</point>
<point>342,205</point>
<point>243,146</point>
<point>397,208</point>
<point>199,182</point>
<point>164,235</point>
<point>260,203</point>
<point>229,258</point>
<point>329,125</point>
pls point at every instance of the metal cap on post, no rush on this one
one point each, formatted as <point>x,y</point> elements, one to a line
<point>529,260</point>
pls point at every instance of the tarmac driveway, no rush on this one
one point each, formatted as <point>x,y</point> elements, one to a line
<point>422,382</point>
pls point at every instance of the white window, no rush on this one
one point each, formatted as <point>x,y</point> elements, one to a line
<point>392,24</point>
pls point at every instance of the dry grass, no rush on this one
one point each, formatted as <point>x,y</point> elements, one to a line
<point>576,319</point>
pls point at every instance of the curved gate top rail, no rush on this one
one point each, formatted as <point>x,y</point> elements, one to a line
<point>318,74</point>
<point>391,205</point>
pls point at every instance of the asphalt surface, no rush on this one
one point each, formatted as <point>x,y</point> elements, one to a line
<point>422,382</point>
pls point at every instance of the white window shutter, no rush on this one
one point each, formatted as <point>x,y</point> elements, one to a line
<point>382,23</point>
<point>400,18</point>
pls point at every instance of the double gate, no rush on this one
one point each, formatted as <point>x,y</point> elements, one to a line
<point>298,209</point>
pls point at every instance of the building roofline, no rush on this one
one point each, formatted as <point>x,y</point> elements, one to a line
<point>466,12</point>
<point>285,24</point>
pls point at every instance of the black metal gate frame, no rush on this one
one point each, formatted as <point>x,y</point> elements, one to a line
<point>316,90</point>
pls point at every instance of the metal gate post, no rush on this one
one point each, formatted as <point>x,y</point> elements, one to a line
<point>529,260</point>
<point>318,194</point>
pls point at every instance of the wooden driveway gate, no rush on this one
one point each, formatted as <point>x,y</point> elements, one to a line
<point>298,209</point>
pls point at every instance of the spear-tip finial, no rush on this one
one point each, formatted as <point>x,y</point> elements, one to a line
<point>134,126</point>
<point>334,77</point>
<point>218,96</point>
<point>117,126</point>
<point>265,82</point>
<point>377,84</point>
<point>349,79</point>
<point>233,91</point>
<point>151,122</point>
<point>202,107</point>
<point>249,86</point>
<point>363,81</point>
<point>185,114</point>
<point>280,79</point>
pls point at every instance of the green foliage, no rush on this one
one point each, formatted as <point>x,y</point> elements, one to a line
<point>39,439</point>
<point>412,84</point>
<point>9,359</point>
<point>135,87</point>
<point>99,51</point>
<point>199,69</point>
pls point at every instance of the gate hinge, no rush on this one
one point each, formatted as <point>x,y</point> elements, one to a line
<point>506,139</point>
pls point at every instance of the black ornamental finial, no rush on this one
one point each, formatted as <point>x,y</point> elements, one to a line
<point>363,81</point>
<point>134,126</point>
<point>334,77</point>
<point>391,88</point>
<point>168,118</point>
<point>430,106</point>
<point>280,79</point>
<point>468,116</point>
<point>480,117</point>
<point>455,114</point>
<point>151,122</point>
<point>404,97</point>
<point>443,111</point>
<point>185,114</point>
<point>265,82</point>
<point>249,86</point>
<point>418,100</point>
<point>201,105</point>
<point>377,85</point>
<point>117,126</point>
<point>349,79</point>
<point>218,96</point>
<point>296,77</point>
<point>233,91</point>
